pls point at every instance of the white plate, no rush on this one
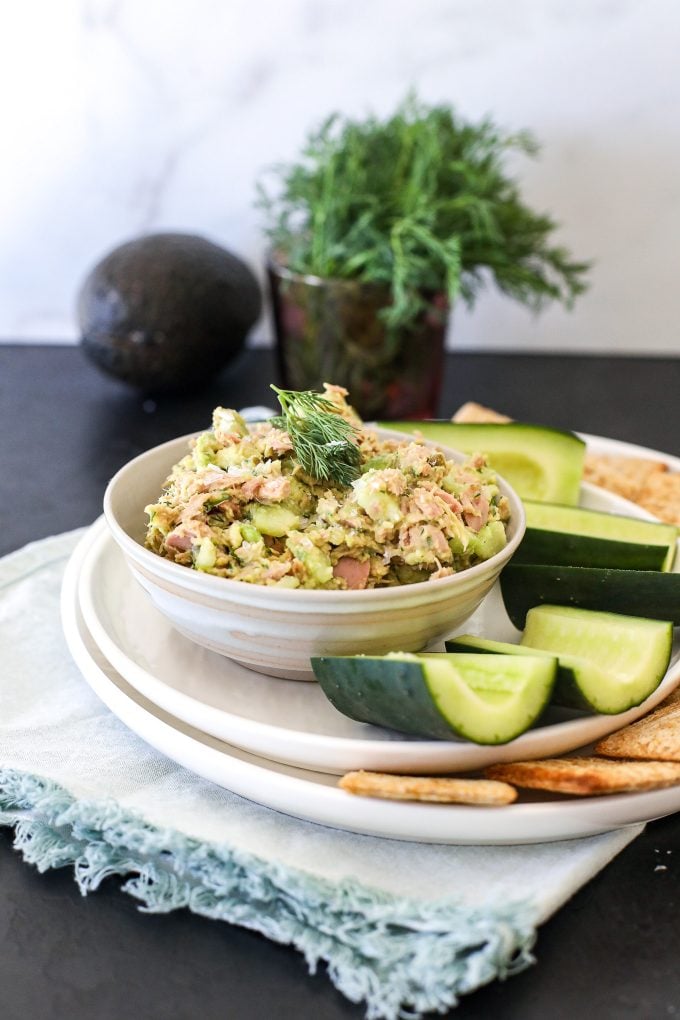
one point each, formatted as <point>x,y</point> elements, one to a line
<point>315,797</point>
<point>599,444</point>
<point>292,722</point>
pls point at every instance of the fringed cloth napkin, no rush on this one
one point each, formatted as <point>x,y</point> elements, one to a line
<point>403,927</point>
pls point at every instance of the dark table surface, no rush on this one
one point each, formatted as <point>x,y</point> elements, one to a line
<point>612,952</point>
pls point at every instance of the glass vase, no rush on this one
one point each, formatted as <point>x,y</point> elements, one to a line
<point>331,330</point>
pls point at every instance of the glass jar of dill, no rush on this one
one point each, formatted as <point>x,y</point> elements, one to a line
<point>379,226</point>
<point>332,330</point>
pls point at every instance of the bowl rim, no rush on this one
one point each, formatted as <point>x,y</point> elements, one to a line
<point>213,585</point>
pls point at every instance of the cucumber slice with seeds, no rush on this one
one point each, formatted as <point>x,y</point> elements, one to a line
<point>486,699</point>
<point>564,678</point>
<point>613,662</point>
<point>487,646</point>
<point>572,536</point>
<point>607,663</point>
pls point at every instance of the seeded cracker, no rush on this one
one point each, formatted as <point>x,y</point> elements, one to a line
<point>656,736</point>
<point>626,476</point>
<point>588,776</point>
<point>425,788</point>
<point>661,496</point>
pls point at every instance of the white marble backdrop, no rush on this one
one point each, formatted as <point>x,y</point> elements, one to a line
<point>121,117</point>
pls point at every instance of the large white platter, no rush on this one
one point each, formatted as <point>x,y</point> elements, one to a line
<point>315,796</point>
<point>292,722</point>
<point>600,444</point>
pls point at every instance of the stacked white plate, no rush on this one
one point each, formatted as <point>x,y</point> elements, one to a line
<point>280,742</point>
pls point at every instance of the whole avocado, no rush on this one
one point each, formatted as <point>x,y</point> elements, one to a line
<point>165,312</point>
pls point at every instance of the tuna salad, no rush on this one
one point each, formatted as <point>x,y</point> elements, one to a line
<point>240,505</point>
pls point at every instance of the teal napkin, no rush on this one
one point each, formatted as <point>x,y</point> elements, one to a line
<point>404,927</point>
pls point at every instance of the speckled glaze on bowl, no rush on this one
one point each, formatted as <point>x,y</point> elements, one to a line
<point>276,631</point>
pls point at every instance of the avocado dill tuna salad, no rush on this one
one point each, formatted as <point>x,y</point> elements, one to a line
<point>315,499</point>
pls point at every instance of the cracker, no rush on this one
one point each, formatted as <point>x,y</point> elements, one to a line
<point>660,495</point>
<point>473,413</point>
<point>588,776</point>
<point>626,476</point>
<point>656,736</point>
<point>427,788</point>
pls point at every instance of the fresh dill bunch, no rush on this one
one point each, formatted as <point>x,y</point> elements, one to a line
<point>418,202</point>
<point>323,441</point>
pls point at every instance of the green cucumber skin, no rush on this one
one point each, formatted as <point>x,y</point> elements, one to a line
<point>561,447</point>
<point>489,428</point>
<point>574,536</point>
<point>407,707</point>
<point>410,707</point>
<point>582,689</point>
<point>569,694</point>
<point>580,520</point>
<point>649,594</point>
<point>560,548</point>
<point>566,692</point>
<point>571,688</point>
<point>483,646</point>
<point>506,648</point>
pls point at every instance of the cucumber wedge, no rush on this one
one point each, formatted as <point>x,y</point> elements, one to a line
<point>612,662</point>
<point>540,463</point>
<point>571,536</point>
<point>483,698</point>
<point>487,646</point>
<point>646,593</point>
<point>606,662</point>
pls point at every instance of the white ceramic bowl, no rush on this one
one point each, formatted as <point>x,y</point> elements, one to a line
<point>274,630</point>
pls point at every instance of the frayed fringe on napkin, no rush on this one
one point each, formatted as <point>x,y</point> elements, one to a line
<point>401,957</point>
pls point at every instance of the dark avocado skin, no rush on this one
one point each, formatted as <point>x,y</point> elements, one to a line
<point>166,312</point>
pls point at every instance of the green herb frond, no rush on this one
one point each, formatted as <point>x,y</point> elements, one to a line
<point>419,202</point>
<point>323,440</point>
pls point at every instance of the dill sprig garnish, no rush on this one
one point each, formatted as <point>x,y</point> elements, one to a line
<point>420,201</point>
<point>322,439</point>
